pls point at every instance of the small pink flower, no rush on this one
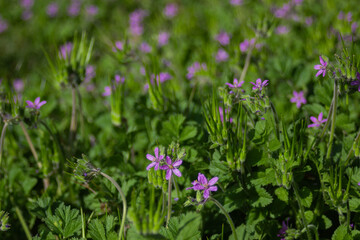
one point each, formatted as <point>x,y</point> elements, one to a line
<point>52,9</point>
<point>163,38</point>
<point>145,48</point>
<point>317,121</point>
<point>236,2</point>
<point>221,56</point>
<point>321,67</point>
<point>107,91</point>
<point>259,84</point>
<point>298,98</point>
<point>171,167</point>
<point>155,160</point>
<point>235,84</point>
<point>171,10</point>
<point>223,38</point>
<point>36,104</point>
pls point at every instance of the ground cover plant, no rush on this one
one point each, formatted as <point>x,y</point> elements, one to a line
<point>208,119</point>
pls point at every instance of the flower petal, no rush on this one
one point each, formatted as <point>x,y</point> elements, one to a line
<point>322,61</point>
<point>41,103</point>
<point>320,117</point>
<point>213,188</point>
<point>319,73</point>
<point>317,67</point>
<point>176,172</point>
<point>202,179</point>
<point>150,165</point>
<point>37,100</point>
<point>313,119</point>
<point>156,151</point>
<point>150,157</point>
<point>168,160</point>
<point>177,163</point>
<point>206,193</point>
<point>213,181</point>
<point>168,174</point>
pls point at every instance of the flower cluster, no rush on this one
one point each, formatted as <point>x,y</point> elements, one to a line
<point>158,162</point>
<point>117,80</point>
<point>193,69</point>
<point>135,21</point>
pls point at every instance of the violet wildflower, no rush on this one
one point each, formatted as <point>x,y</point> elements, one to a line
<point>171,167</point>
<point>3,25</point>
<point>321,67</point>
<point>236,2</point>
<point>27,4</point>
<point>349,17</point>
<point>155,160</point>
<point>203,184</point>
<point>89,73</point>
<point>107,91</point>
<point>223,38</point>
<point>196,67</point>
<point>163,38</point>
<point>18,85</point>
<point>341,15</point>
<point>171,10</point>
<point>284,228</point>
<point>282,30</point>
<point>358,183</point>
<point>36,104</point>
<point>135,21</point>
<point>92,10</point>
<point>283,11</point>
<point>74,8</point>
<point>119,79</point>
<point>119,45</point>
<point>52,9</point>
<point>259,84</point>
<point>145,48</point>
<point>244,46</point>
<point>235,84</point>
<point>354,26</point>
<point>65,50</point>
<point>221,56</point>
<point>298,98</point>
<point>162,77</point>
<point>356,83</point>
<point>317,121</point>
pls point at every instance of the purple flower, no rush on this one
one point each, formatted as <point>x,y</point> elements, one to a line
<point>358,183</point>
<point>223,38</point>
<point>36,104</point>
<point>203,184</point>
<point>92,10</point>
<point>354,26</point>
<point>196,67</point>
<point>282,30</point>
<point>321,67</point>
<point>145,48</point>
<point>349,17</point>
<point>52,9</point>
<point>119,79</point>
<point>163,38</point>
<point>235,84</point>
<point>27,4</point>
<point>356,83</point>
<point>162,77</point>
<point>317,121</point>
<point>107,91</point>
<point>298,98</point>
<point>65,50</point>
<point>259,84</point>
<point>18,85</point>
<point>236,2</point>
<point>283,11</point>
<point>171,10</point>
<point>341,15</point>
<point>74,8</point>
<point>89,73</point>
<point>135,21</point>
<point>221,56</point>
<point>284,227</point>
<point>3,25</point>
<point>244,46</point>
<point>171,168</point>
<point>119,45</point>
<point>221,112</point>
<point>155,160</point>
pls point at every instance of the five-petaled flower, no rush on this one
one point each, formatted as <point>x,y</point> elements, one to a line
<point>259,84</point>
<point>171,167</point>
<point>155,160</point>
<point>298,98</point>
<point>36,104</point>
<point>321,67</point>
<point>317,121</point>
<point>235,84</point>
<point>284,228</point>
<point>203,184</point>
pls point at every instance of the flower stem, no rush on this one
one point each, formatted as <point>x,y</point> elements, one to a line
<point>226,215</point>
<point>169,204</point>
<point>23,223</point>
<point>333,119</point>
<point>123,200</point>
<point>302,212</point>
<point>247,62</point>
<point>2,139</point>
<point>73,114</point>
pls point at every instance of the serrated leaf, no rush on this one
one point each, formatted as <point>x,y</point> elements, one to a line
<point>262,199</point>
<point>282,194</point>
<point>341,233</point>
<point>186,226</point>
<point>306,197</point>
<point>96,230</point>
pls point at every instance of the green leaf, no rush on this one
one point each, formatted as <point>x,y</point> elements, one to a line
<point>187,133</point>
<point>306,197</point>
<point>282,194</point>
<point>325,222</point>
<point>96,230</point>
<point>341,233</point>
<point>186,226</point>
<point>262,199</point>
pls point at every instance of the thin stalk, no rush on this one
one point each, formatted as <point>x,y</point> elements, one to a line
<point>351,150</point>
<point>82,223</point>
<point>169,204</point>
<point>2,139</point>
<point>302,212</point>
<point>247,62</point>
<point>276,119</point>
<point>123,200</point>
<point>348,215</point>
<point>31,145</point>
<point>23,223</point>
<point>73,114</point>
<point>230,221</point>
<point>333,119</point>
<point>176,188</point>
<point>310,226</point>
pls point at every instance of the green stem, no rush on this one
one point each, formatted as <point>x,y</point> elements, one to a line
<point>302,212</point>
<point>226,215</point>
<point>247,61</point>
<point>73,115</point>
<point>333,119</point>
<point>351,150</point>
<point>169,204</point>
<point>123,200</point>
<point>82,223</point>
<point>23,223</point>
<point>2,139</point>
<point>310,226</point>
